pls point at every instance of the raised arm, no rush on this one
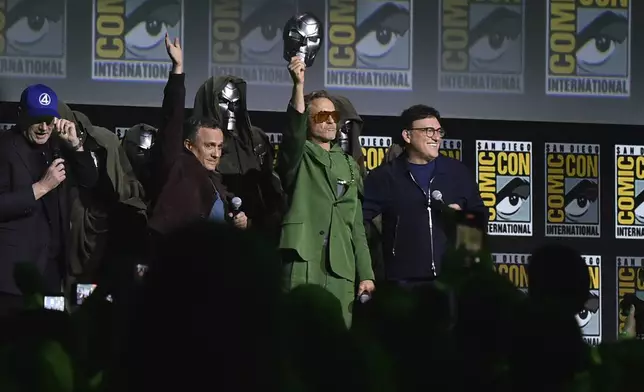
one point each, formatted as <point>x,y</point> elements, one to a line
<point>169,144</point>
<point>80,161</point>
<point>294,136</point>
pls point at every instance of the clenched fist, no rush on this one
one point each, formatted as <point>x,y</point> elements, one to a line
<point>239,220</point>
<point>296,68</point>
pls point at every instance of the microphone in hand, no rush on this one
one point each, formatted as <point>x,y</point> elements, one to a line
<point>364,297</point>
<point>236,203</point>
<point>437,199</point>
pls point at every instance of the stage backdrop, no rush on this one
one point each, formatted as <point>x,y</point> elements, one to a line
<point>537,60</point>
<point>575,184</point>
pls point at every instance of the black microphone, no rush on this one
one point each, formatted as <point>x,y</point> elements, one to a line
<point>237,203</point>
<point>56,154</point>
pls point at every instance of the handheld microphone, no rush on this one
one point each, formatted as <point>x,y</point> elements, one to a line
<point>56,154</point>
<point>438,196</point>
<point>237,203</point>
<point>364,297</point>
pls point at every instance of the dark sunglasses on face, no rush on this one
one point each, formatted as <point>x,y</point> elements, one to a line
<point>39,120</point>
<point>429,131</point>
<point>321,117</point>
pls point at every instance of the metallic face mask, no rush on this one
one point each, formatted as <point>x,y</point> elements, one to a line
<point>303,37</point>
<point>142,136</point>
<point>343,136</point>
<point>229,105</point>
<point>137,143</point>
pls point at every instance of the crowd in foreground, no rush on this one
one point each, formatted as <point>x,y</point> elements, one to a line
<point>225,324</point>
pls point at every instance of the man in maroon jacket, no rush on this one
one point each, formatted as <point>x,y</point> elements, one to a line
<point>185,158</point>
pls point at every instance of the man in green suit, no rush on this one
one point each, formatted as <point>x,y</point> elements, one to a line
<point>323,239</point>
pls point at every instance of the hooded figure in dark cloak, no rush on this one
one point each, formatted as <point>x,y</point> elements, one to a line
<point>350,130</point>
<point>108,221</point>
<point>247,161</point>
<point>138,143</point>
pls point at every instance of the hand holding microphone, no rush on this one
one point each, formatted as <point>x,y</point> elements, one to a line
<point>365,289</point>
<point>54,175</point>
<point>240,220</point>
<point>437,196</point>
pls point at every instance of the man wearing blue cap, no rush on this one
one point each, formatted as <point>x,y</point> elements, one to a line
<point>36,157</point>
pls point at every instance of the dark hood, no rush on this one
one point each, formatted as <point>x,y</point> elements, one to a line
<point>82,122</point>
<point>349,113</point>
<point>207,101</point>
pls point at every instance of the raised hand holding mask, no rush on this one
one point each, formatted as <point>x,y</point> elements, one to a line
<point>303,37</point>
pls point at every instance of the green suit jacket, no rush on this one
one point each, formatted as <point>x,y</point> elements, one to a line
<point>310,178</point>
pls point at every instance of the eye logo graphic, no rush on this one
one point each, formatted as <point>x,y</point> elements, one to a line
<point>452,148</point>
<point>368,44</point>
<point>504,172</point>
<point>481,46</point>
<point>588,48</point>
<point>629,191</point>
<point>589,319</point>
<point>33,38</point>
<point>572,190</point>
<point>630,285</point>
<point>246,40</point>
<point>514,267</point>
<point>275,139</point>
<point>129,38</point>
<point>374,149</point>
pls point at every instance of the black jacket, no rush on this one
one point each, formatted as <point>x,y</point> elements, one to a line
<point>247,161</point>
<point>25,224</point>
<point>390,191</point>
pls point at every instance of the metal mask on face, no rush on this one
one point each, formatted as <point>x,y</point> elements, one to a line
<point>137,144</point>
<point>303,37</point>
<point>229,105</point>
<point>343,135</point>
<point>142,136</point>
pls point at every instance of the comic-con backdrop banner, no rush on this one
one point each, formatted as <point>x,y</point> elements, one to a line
<point>513,266</point>
<point>546,60</point>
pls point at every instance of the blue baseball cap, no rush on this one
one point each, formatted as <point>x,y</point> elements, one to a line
<point>38,101</point>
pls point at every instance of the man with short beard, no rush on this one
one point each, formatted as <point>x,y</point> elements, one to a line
<point>323,238</point>
<point>36,158</point>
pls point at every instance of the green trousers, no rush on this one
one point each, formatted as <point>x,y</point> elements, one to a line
<point>299,272</point>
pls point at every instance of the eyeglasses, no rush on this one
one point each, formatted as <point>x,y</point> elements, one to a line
<point>49,120</point>
<point>321,117</point>
<point>429,131</point>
